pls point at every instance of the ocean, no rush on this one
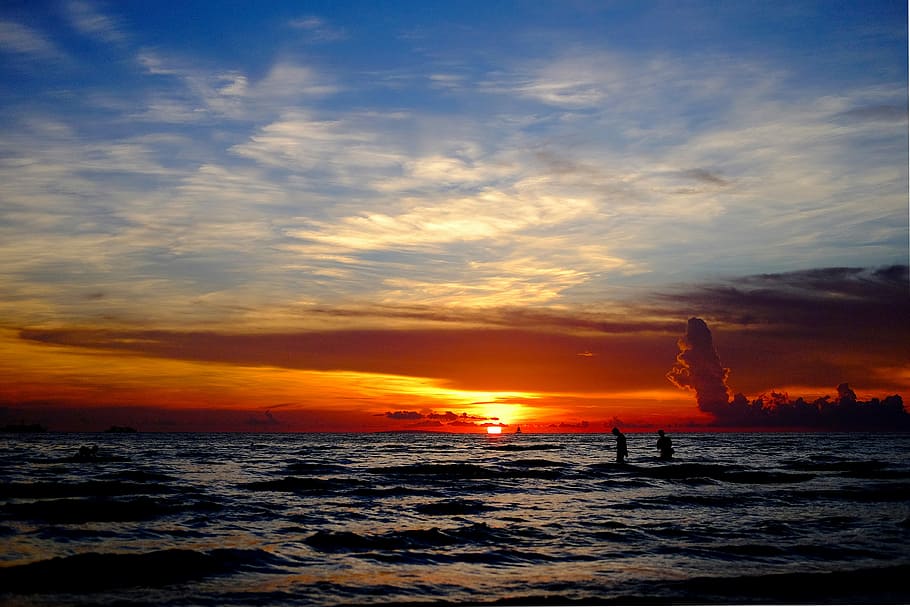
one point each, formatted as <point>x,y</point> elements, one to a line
<point>372,519</point>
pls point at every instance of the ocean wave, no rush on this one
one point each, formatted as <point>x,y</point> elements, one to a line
<point>532,447</point>
<point>453,507</point>
<point>314,468</point>
<point>694,472</point>
<point>87,510</point>
<point>138,476</point>
<point>43,489</point>
<point>371,519</point>
<point>535,463</point>
<point>858,586</point>
<point>347,541</point>
<point>91,572</point>
<point>461,471</point>
<point>298,484</point>
<point>396,491</point>
<point>835,466</point>
<point>866,493</point>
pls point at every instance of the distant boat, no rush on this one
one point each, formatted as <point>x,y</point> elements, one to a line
<point>518,430</point>
<point>121,429</point>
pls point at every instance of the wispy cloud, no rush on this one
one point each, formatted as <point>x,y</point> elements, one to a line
<point>25,41</point>
<point>90,21</point>
<point>317,29</point>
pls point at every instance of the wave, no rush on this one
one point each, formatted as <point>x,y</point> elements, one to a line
<point>43,489</point>
<point>314,468</point>
<point>866,493</point>
<point>862,469</point>
<point>696,472</point>
<point>533,447</point>
<point>479,534</point>
<point>858,586</point>
<point>297,484</point>
<point>139,476</point>
<point>87,510</point>
<point>396,491</point>
<point>92,572</point>
<point>535,463</point>
<point>453,507</point>
<point>835,466</point>
<point>460,471</point>
<point>81,460</point>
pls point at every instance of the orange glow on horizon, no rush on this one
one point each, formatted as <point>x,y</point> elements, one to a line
<point>85,385</point>
<point>82,378</point>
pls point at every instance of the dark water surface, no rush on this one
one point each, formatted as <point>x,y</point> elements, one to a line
<point>327,519</point>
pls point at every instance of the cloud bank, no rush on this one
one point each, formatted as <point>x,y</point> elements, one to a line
<point>698,368</point>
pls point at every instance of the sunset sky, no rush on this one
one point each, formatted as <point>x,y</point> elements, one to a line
<point>362,216</point>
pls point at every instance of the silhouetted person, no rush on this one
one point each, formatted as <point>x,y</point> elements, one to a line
<point>664,445</point>
<point>622,450</point>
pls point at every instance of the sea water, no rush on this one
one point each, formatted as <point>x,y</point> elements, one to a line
<point>330,519</point>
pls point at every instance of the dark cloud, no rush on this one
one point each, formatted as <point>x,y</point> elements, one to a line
<point>410,415</point>
<point>813,327</point>
<point>844,412</point>
<point>816,327</point>
<point>433,419</point>
<point>820,298</point>
<point>704,176</point>
<point>268,420</point>
<point>699,368</point>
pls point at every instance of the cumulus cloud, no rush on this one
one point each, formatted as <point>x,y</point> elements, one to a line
<point>699,368</point>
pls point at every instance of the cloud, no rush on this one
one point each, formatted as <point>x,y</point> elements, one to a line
<point>575,82</point>
<point>845,412</point>
<point>23,40</point>
<point>317,29</point>
<point>268,421</point>
<point>698,368</point>
<point>86,18</point>
<point>704,176</point>
<point>875,113</point>
<point>863,303</point>
<point>489,215</point>
<point>817,327</point>
<point>407,415</point>
<point>433,419</point>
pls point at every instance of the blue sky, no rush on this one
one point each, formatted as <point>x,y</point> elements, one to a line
<point>241,163</point>
<point>364,213</point>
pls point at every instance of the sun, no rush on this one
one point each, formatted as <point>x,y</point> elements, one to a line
<point>494,429</point>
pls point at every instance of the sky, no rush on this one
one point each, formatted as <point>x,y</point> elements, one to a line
<point>362,216</point>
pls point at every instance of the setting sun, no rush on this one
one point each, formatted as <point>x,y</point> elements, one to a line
<point>494,429</point>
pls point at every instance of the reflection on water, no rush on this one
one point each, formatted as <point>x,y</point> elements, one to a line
<point>328,519</point>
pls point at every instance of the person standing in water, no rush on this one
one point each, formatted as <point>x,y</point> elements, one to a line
<point>622,450</point>
<point>664,445</point>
